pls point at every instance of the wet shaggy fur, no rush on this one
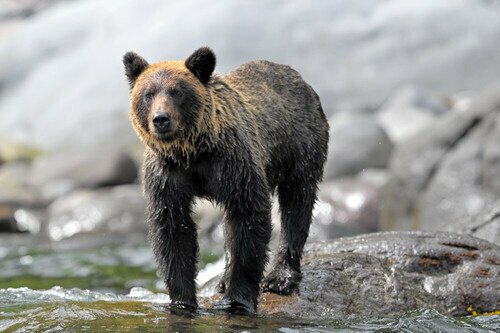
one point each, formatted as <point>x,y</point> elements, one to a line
<point>235,140</point>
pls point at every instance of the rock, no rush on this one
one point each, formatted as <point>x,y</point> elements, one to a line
<point>356,142</point>
<point>7,221</point>
<point>487,224</point>
<point>19,205</point>
<point>375,177</point>
<point>491,156</point>
<point>442,169</point>
<point>107,215</point>
<point>409,111</point>
<point>58,174</point>
<point>14,192</point>
<point>354,54</point>
<point>346,207</point>
<point>385,274</point>
<point>458,191</point>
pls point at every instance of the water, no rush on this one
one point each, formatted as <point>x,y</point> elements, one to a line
<point>118,290</point>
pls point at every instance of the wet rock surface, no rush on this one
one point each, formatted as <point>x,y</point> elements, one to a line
<point>384,274</point>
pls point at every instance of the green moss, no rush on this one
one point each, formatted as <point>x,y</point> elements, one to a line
<point>12,151</point>
<point>207,258</point>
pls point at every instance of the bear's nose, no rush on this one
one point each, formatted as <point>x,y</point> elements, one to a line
<point>161,121</point>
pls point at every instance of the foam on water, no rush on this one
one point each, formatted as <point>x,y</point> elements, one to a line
<point>24,295</point>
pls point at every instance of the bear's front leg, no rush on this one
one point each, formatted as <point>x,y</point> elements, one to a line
<point>248,223</point>
<point>173,234</point>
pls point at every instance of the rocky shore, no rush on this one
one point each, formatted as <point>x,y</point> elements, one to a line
<point>389,273</point>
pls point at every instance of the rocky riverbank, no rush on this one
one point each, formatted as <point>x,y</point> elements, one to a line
<point>386,274</point>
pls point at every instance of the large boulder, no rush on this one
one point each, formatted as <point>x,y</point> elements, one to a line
<point>446,175</point>
<point>388,273</point>
<point>462,186</point>
<point>60,173</point>
<point>409,111</point>
<point>356,142</point>
<point>66,60</point>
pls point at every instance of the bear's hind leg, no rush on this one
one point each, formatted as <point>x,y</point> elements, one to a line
<point>297,196</point>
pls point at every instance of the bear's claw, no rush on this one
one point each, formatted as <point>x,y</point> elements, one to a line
<point>282,281</point>
<point>234,306</point>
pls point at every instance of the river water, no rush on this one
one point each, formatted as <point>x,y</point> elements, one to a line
<point>117,289</point>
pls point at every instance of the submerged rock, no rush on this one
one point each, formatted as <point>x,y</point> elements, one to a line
<point>385,274</point>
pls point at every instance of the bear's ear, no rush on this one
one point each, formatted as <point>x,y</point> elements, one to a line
<point>134,66</point>
<point>201,63</point>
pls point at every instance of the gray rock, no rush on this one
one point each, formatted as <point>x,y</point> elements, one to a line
<point>356,142</point>
<point>441,163</point>
<point>491,157</point>
<point>458,191</point>
<point>19,205</point>
<point>346,207</point>
<point>409,111</point>
<point>385,274</point>
<point>487,224</point>
<point>60,173</point>
<point>108,214</point>
<point>355,54</point>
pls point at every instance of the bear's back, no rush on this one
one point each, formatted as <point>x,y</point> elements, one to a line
<point>287,111</point>
<point>261,76</point>
<point>275,91</point>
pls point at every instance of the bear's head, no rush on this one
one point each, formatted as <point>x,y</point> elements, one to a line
<point>168,98</point>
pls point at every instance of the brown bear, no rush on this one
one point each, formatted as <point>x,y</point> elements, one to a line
<point>235,140</point>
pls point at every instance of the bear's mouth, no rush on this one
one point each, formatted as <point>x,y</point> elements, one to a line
<point>166,136</point>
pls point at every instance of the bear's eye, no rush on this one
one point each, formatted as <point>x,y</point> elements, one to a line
<point>149,96</point>
<point>176,92</point>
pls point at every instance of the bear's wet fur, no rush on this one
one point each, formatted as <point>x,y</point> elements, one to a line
<point>234,140</point>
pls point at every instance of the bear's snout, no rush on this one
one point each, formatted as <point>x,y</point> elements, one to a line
<point>162,122</point>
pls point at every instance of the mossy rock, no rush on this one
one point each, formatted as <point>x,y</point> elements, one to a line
<point>13,151</point>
